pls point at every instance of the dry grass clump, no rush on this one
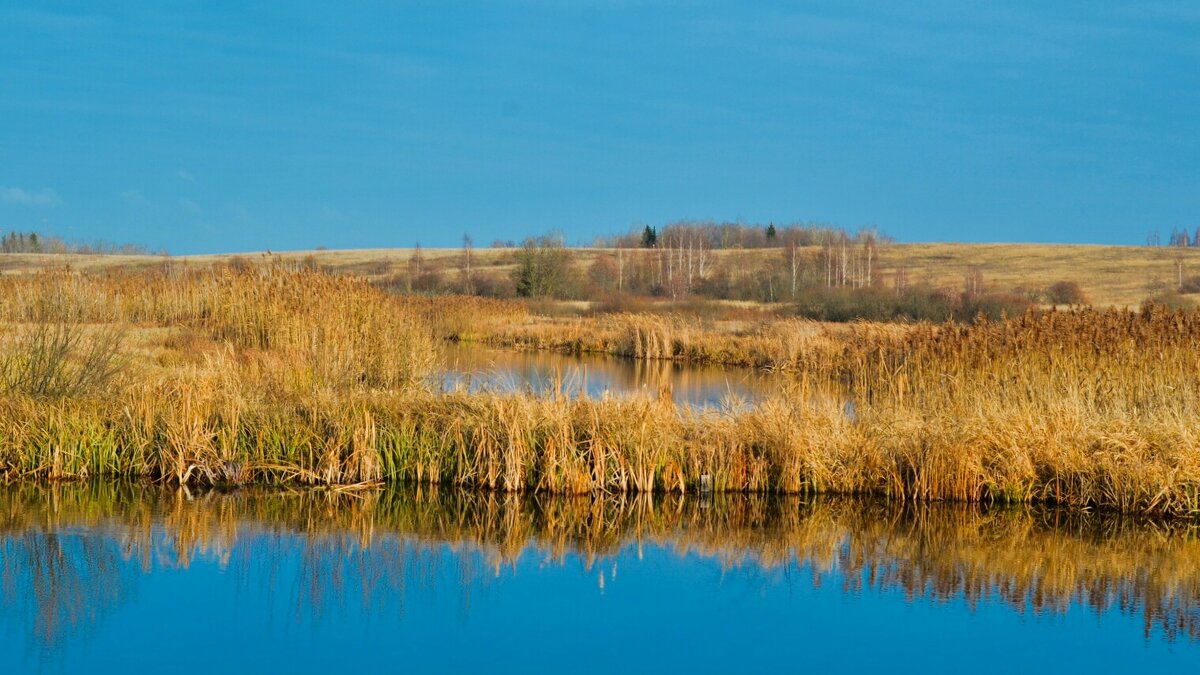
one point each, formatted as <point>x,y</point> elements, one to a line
<point>1088,408</point>
<point>335,331</point>
<point>343,331</point>
<point>466,317</point>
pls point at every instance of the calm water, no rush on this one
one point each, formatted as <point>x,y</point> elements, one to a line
<point>474,368</point>
<point>111,578</point>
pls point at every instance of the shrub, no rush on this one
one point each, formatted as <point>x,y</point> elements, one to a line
<point>603,274</point>
<point>429,281</point>
<point>916,304</point>
<point>1170,300</point>
<point>1190,285</point>
<point>543,269</point>
<point>992,306</point>
<point>874,304</point>
<point>60,359</point>
<point>1065,293</point>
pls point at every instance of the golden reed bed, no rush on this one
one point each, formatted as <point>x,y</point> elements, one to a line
<point>284,375</point>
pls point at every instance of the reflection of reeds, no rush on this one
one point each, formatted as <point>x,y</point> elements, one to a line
<point>367,542</point>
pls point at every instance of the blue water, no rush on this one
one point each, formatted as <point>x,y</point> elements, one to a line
<point>475,368</point>
<point>143,579</point>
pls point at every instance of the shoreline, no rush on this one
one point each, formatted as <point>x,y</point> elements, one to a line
<point>284,374</point>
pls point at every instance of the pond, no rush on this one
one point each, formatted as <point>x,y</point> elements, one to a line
<point>474,368</point>
<point>127,577</point>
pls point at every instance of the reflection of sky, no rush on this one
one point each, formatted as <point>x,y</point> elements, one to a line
<point>478,368</point>
<point>645,607</point>
<point>251,597</point>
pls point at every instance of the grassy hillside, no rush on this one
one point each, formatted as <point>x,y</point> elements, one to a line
<point>1120,276</point>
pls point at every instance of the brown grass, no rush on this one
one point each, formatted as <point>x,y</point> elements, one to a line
<point>1111,276</point>
<point>283,375</point>
<point>775,345</point>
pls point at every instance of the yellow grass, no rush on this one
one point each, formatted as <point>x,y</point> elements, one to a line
<point>773,345</point>
<point>278,375</point>
<point>1111,276</point>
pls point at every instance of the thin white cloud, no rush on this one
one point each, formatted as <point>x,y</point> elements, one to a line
<point>190,206</point>
<point>16,195</point>
<point>134,198</point>
<point>186,175</point>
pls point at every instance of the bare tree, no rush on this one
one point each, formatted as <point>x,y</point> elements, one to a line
<point>416,263</point>
<point>794,256</point>
<point>901,279</point>
<point>620,268</point>
<point>869,250</point>
<point>974,282</point>
<point>467,245</point>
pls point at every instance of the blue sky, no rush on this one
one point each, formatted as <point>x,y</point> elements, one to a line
<point>210,126</point>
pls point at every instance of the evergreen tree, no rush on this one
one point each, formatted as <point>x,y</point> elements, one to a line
<point>649,237</point>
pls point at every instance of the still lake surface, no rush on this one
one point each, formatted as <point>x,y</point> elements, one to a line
<point>475,368</point>
<point>101,578</point>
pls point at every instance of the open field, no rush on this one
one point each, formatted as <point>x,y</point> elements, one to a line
<point>1111,276</point>
<point>278,375</point>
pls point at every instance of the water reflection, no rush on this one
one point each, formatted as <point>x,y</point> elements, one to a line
<point>476,368</point>
<point>72,555</point>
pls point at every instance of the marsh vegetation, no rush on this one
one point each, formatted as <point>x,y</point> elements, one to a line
<point>281,374</point>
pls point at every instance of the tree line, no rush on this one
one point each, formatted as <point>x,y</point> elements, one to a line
<point>32,242</point>
<point>834,276</point>
<point>727,235</point>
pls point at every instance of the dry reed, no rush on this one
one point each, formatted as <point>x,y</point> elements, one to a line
<point>283,375</point>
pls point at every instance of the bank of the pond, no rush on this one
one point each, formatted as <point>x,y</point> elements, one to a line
<point>279,375</point>
<point>189,434</point>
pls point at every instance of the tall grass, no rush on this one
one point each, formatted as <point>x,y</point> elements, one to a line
<point>333,331</point>
<point>284,375</point>
<point>778,345</point>
<point>59,359</point>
